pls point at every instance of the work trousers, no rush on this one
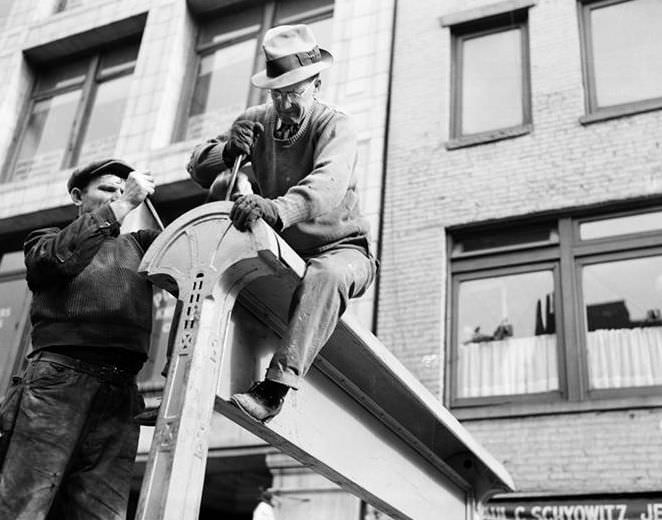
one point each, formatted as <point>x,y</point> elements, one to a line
<point>74,443</point>
<point>330,280</point>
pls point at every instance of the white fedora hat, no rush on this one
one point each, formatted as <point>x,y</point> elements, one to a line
<point>292,55</point>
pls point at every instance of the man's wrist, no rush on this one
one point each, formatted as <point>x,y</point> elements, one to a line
<point>121,208</point>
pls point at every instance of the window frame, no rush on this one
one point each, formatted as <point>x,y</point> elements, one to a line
<point>269,19</point>
<point>570,254</point>
<point>23,322</point>
<point>487,273</point>
<point>474,29</point>
<point>593,112</point>
<point>94,76</point>
<point>605,257</point>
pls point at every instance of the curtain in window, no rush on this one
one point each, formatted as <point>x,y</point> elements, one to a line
<point>506,367</point>
<point>506,337</point>
<point>623,315</point>
<point>620,358</point>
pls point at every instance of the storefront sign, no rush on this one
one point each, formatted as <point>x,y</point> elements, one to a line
<point>621,508</point>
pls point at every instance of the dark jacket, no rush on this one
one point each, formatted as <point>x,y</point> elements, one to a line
<point>86,288</point>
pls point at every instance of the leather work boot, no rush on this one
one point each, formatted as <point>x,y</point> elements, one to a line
<point>262,401</point>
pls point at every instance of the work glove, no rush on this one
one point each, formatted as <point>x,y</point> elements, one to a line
<point>243,135</point>
<point>248,208</point>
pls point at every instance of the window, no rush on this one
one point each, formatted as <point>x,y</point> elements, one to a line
<point>564,310</point>
<point>506,335</point>
<point>622,49</point>
<point>490,79</point>
<point>623,324</point>
<point>229,54</point>
<point>14,320</point>
<point>75,113</point>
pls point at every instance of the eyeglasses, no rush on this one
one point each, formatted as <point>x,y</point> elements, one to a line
<point>291,94</point>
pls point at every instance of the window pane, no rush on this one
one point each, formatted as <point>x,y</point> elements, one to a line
<point>63,75</point>
<point>507,335</point>
<point>627,51</point>
<point>624,323</point>
<point>221,90</point>
<point>105,119</point>
<point>14,296</point>
<point>231,26</point>
<point>323,31</point>
<point>621,225</point>
<point>46,136</point>
<point>492,82</point>
<point>507,236</point>
<point>121,58</point>
<point>289,9</point>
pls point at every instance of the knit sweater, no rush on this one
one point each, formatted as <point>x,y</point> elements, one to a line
<point>311,176</point>
<point>86,289</point>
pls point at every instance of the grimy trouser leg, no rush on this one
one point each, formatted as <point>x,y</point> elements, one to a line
<point>330,280</point>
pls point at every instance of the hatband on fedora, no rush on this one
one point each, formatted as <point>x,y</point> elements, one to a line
<point>292,55</point>
<point>81,176</point>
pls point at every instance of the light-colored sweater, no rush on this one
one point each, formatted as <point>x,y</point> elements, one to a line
<point>311,176</point>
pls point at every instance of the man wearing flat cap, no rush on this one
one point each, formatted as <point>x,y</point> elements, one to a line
<point>72,437</point>
<point>304,158</point>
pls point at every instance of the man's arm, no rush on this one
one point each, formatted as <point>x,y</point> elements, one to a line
<point>323,189</point>
<point>52,254</point>
<point>206,161</point>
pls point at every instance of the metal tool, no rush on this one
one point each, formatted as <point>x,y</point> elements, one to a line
<point>235,172</point>
<point>152,210</point>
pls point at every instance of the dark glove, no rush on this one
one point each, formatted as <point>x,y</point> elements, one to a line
<point>248,208</point>
<point>243,135</point>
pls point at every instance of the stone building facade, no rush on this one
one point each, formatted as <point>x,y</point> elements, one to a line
<point>147,81</point>
<point>512,171</point>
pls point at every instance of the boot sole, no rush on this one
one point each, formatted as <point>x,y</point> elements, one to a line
<point>246,412</point>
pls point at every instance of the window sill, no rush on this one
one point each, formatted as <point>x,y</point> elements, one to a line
<point>469,15</point>
<point>631,109</point>
<point>488,137</point>
<point>528,409</point>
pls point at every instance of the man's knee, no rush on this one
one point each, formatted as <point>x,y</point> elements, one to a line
<point>325,274</point>
<point>349,271</point>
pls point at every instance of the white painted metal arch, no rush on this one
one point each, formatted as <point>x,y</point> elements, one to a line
<point>360,419</point>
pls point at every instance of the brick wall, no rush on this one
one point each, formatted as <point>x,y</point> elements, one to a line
<point>560,164</point>
<point>599,452</point>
